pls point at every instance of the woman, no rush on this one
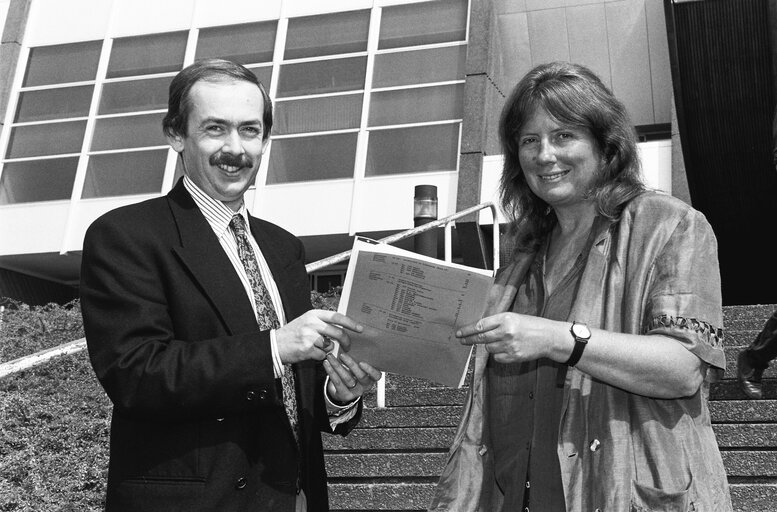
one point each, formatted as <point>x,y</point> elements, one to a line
<point>601,336</point>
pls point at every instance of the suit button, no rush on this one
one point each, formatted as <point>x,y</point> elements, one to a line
<point>262,394</point>
<point>251,395</point>
<point>241,483</point>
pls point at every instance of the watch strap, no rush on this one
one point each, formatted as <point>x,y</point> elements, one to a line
<point>580,344</point>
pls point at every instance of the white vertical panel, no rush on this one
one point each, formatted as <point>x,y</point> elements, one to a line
<point>540,5</point>
<point>58,21</point>
<point>234,12</point>
<point>588,39</point>
<point>135,17</point>
<point>32,227</point>
<point>548,35</point>
<point>4,5</point>
<point>660,68</point>
<point>630,61</point>
<point>656,158</point>
<point>515,47</point>
<point>295,8</point>
<point>386,202</point>
<point>310,208</point>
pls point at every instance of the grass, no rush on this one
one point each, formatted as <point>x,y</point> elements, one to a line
<point>55,417</point>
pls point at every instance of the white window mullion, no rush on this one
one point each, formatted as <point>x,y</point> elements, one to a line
<point>83,161</point>
<point>272,89</point>
<point>362,141</point>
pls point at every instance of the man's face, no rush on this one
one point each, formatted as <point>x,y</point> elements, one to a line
<point>223,145</point>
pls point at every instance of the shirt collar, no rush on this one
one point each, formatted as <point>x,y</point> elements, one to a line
<point>216,213</point>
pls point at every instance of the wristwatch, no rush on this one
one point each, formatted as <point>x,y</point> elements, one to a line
<point>582,334</point>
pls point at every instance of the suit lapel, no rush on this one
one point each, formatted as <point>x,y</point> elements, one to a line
<point>202,254</point>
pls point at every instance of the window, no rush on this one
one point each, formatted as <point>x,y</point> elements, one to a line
<point>423,23</point>
<point>119,174</point>
<point>407,111</point>
<point>418,149</point>
<point>328,34</point>
<point>146,55</point>
<point>251,43</point>
<point>322,157</point>
<point>63,63</point>
<point>37,180</point>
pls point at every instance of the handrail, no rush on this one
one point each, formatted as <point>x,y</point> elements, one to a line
<point>445,221</point>
<point>75,346</point>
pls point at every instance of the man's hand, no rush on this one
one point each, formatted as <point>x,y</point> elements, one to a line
<point>307,336</point>
<point>348,379</point>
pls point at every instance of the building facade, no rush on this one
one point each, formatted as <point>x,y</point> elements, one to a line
<point>371,98</point>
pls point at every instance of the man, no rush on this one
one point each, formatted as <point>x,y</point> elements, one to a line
<point>753,360</point>
<point>199,326</point>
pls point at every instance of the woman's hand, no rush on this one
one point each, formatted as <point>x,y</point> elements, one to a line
<point>510,337</point>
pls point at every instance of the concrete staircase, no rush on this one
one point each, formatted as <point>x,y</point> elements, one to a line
<point>391,462</point>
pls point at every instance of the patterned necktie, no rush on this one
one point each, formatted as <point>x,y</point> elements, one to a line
<point>267,318</point>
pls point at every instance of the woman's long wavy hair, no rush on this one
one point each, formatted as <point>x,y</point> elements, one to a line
<point>573,95</point>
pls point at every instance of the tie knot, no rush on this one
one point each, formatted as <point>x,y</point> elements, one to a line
<point>238,224</point>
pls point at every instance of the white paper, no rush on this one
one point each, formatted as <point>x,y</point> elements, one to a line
<point>410,306</point>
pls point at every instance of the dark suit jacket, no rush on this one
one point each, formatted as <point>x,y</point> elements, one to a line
<point>198,421</point>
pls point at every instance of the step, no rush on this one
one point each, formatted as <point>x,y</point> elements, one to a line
<point>745,435</point>
<point>751,463</point>
<point>385,465</point>
<point>375,439</point>
<point>417,496</point>
<point>731,436</point>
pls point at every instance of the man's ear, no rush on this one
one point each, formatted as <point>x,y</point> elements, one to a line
<point>265,143</point>
<point>176,141</point>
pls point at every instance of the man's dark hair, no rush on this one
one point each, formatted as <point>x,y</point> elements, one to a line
<point>209,70</point>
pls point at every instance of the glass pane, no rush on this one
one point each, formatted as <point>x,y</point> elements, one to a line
<point>417,149</point>
<point>330,34</point>
<point>123,174</point>
<point>423,23</point>
<point>318,114</point>
<point>128,132</point>
<point>62,63</point>
<point>46,139</point>
<point>264,74</point>
<point>325,157</point>
<point>245,44</point>
<point>38,180</point>
<point>134,95</point>
<point>58,103</point>
<point>417,105</point>
<point>419,66</point>
<point>322,77</point>
<point>147,54</point>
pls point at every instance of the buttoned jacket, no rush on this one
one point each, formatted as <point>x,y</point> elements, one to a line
<point>198,421</point>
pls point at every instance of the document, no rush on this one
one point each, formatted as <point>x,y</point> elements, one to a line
<point>411,306</point>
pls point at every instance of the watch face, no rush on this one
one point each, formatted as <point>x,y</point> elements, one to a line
<point>581,331</point>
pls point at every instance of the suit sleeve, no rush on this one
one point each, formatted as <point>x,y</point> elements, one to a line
<point>154,341</point>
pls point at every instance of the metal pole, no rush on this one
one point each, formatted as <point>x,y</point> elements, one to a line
<point>425,211</point>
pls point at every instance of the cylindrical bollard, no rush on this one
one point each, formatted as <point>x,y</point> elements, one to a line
<point>424,211</point>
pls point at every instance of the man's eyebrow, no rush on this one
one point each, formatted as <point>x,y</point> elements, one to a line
<point>218,120</point>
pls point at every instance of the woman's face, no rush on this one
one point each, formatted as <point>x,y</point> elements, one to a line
<point>560,162</point>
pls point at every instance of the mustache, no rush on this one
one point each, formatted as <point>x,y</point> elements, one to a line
<point>231,160</point>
